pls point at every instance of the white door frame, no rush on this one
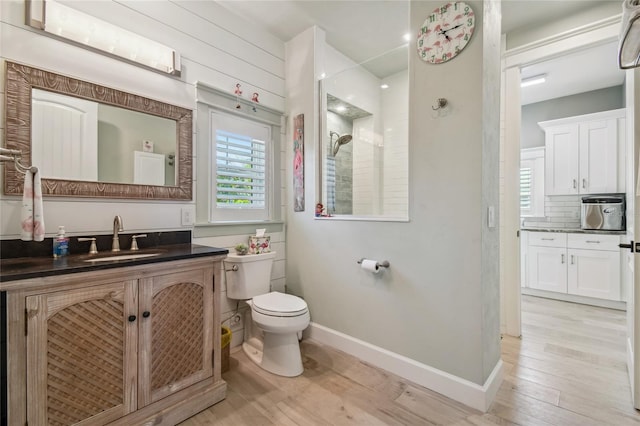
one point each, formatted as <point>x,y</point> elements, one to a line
<point>633,144</point>
<point>594,34</point>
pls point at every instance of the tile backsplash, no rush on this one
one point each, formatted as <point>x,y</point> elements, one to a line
<point>561,212</point>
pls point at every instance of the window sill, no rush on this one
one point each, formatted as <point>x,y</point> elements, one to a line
<point>363,218</point>
<point>219,229</point>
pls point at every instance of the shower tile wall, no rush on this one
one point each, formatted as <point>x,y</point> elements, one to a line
<point>343,177</point>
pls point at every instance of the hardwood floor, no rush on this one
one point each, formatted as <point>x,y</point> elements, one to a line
<point>568,369</point>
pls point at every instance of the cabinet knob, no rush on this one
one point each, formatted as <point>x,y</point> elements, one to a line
<point>146,314</point>
<point>575,184</point>
<point>132,318</point>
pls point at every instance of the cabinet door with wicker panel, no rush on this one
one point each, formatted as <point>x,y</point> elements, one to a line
<point>81,352</point>
<point>176,333</point>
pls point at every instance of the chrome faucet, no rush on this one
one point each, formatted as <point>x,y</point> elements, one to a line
<point>117,226</point>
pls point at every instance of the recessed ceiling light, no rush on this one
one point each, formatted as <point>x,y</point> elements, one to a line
<point>530,81</point>
<point>384,86</point>
<point>341,108</point>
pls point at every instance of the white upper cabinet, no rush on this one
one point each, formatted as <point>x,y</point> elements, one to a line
<point>585,154</point>
<point>561,168</point>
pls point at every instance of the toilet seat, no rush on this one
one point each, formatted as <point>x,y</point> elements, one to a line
<point>278,304</point>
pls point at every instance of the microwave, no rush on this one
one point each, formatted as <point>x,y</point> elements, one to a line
<point>603,212</point>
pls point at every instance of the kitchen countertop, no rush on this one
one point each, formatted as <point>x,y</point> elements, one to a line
<point>576,231</point>
<point>35,267</point>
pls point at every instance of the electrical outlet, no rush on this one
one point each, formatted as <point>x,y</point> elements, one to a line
<point>187,216</point>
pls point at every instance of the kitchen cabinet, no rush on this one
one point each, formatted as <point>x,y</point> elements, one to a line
<point>548,269</point>
<point>524,255</point>
<point>547,256</point>
<point>129,345</point>
<point>576,264</point>
<point>594,266</point>
<point>585,154</point>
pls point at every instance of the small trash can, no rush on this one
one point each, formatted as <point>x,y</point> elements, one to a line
<point>225,348</point>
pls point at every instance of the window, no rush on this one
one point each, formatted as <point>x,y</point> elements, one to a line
<point>241,165</point>
<point>532,182</point>
<point>526,175</point>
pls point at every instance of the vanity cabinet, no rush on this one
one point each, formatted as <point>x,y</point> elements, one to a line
<point>129,345</point>
<point>81,351</point>
<point>575,264</point>
<point>585,154</point>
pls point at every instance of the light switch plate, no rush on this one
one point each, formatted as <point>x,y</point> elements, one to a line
<point>491,217</point>
<point>188,216</point>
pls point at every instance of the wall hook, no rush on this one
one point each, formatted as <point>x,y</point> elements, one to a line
<point>441,103</point>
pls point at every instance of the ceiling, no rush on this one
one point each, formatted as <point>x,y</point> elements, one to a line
<point>365,29</point>
<point>578,72</point>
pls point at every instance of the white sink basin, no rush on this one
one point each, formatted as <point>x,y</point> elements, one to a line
<point>122,257</point>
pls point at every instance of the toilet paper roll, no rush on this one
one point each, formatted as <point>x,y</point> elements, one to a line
<point>370,265</point>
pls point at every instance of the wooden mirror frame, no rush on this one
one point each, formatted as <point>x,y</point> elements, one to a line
<point>20,79</point>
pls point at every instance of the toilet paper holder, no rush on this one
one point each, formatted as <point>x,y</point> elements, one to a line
<point>383,264</point>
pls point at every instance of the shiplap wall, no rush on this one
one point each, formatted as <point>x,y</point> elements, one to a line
<point>217,48</point>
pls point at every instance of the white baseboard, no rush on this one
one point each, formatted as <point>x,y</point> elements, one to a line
<point>603,303</point>
<point>461,390</point>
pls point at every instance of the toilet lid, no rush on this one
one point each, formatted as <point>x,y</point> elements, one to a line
<point>279,304</point>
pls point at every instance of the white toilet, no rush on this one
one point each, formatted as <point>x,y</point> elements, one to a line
<point>279,316</point>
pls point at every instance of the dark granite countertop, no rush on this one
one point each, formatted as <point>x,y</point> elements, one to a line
<point>20,268</point>
<point>576,231</point>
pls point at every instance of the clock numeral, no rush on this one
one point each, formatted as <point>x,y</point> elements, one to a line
<point>466,9</point>
<point>420,42</point>
<point>443,10</point>
<point>470,22</point>
<point>466,37</point>
<point>455,6</point>
<point>424,30</point>
<point>444,56</point>
<point>432,18</point>
<point>457,49</point>
<point>433,58</point>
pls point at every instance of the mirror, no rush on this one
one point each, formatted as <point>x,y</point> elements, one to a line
<point>364,139</point>
<point>121,145</point>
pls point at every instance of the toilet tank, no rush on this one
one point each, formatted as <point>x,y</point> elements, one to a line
<point>252,277</point>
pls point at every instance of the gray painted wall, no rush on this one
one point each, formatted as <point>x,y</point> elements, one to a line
<point>583,103</point>
<point>438,302</point>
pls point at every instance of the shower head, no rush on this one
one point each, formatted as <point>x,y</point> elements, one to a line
<point>342,140</point>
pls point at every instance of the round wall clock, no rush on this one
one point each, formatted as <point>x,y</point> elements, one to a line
<point>445,32</point>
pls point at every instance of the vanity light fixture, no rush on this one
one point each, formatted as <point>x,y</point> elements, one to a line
<point>86,30</point>
<point>531,81</point>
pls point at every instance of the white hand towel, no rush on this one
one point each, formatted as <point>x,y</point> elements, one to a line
<point>32,219</point>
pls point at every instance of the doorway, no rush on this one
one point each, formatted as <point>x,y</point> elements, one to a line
<point>515,65</point>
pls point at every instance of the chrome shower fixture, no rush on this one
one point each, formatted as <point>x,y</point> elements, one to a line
<point>341,140</point>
